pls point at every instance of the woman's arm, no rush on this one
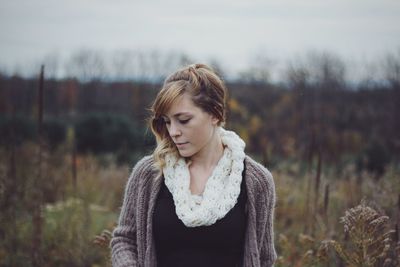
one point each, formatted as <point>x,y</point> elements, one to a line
<point>123,243</point>
<point>268,253</point>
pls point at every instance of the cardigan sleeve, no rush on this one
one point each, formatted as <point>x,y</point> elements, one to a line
<point>268,253</point>
<point>123,242</point>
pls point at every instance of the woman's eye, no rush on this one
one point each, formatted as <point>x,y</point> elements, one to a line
<point>184,121</point>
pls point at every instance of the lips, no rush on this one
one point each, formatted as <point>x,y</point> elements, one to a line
<point>181,144</point>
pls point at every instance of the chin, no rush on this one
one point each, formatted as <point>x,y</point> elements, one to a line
<point>185,154</point>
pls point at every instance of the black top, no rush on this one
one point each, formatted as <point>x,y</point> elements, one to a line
<point>220,244</point>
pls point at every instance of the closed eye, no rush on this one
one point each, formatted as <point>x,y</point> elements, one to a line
<point>184,121</point>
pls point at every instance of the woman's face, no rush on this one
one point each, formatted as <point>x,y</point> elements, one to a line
<point>190,128</point>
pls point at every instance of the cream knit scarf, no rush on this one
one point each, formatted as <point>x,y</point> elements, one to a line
<point>222,188</point>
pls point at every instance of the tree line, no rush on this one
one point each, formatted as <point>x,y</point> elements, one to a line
<point>317,112</point>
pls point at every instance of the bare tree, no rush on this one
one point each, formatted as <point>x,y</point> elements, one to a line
<point>86,65</point>
<point>122,65</point>
<point>392,74</point>
<point>328,71</point>
<point>259,70</point>
<point>216,65</point>
<point>297,76</point>
<point>392,69</point>
<point>52,63</point>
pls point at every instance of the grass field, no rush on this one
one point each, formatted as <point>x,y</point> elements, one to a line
<point>310,216</point>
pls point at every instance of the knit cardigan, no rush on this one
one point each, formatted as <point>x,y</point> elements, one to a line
<point>132,242</point>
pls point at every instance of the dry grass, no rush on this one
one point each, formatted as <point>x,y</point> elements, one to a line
<point>78,223</point>
<point>299,245</point>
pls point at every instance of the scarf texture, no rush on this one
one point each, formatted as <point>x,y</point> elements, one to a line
<point>222,188</point>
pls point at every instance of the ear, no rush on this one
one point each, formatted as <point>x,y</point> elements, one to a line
<point>214,120</point>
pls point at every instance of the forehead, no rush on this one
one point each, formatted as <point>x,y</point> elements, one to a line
<point>183,104</point>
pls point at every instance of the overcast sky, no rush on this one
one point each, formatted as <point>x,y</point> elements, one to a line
<point>233,32</point>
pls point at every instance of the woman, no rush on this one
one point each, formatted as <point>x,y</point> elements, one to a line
<point>198,200</point>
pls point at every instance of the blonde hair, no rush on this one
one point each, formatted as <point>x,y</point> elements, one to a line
<point>207,91</point>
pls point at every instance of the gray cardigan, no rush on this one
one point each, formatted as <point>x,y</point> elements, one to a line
<point>132,242</point>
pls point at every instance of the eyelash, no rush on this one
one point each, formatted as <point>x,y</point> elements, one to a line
<point>180,121</point>
<point>184,121</point>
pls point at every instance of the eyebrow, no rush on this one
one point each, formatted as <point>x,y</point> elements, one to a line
<point>179,114</point>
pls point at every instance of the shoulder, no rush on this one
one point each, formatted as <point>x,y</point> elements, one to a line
<point>143,170</point>
<point>144,165</point>
<point>253,168</point>
<point>259,174</point>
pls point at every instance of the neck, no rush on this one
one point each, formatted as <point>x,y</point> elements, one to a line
<point>209,156</point>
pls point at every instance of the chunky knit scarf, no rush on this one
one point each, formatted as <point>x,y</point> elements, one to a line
<point>222,188</point>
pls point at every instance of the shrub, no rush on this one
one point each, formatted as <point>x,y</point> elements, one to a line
<point>106,132</point>
<point>16,129</point>
<point>374,157</point>
<point>54,132</point>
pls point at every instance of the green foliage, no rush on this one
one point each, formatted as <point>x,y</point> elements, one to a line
<point>107,132</point>
<point>54,132</point>
<point>69,229</point>
<point>375,157</point>
<point>72,216</point>
<point>314,113</point>
<point>16,129</point>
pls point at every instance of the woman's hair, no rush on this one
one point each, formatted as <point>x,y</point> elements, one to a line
<point>207,91</point>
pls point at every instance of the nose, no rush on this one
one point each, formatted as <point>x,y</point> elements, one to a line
<point>174,130</point>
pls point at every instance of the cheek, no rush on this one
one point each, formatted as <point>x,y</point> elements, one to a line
<point>168,126</point>
<point>203,134</point>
